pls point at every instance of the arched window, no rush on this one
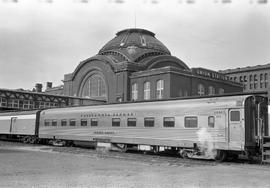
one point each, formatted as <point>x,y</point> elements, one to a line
<point>146,90</point>
<point>245,82</point>
<point>185,93</point>
<point>94,87</point>
<point>255,81</point>
<point>180,93</point>
<point>201,90</point>
<point>211,90</point>
<point>134,91</point>
<point>3,102</point>
<point>220,91</point>
<point>160,89</point>
<point>265,80</point>
<point>261,80</point>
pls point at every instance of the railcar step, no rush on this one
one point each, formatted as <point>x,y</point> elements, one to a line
<point>266,152</point>
<point>266,144</point>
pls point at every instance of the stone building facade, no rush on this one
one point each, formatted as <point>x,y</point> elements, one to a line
<point>134,65</point>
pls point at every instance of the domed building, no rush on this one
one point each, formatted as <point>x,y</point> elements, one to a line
<point>135,65</point>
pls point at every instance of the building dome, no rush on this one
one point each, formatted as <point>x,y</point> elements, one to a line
<point>134,45</point>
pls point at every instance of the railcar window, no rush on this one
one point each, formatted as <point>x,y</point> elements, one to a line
<point>191,122</point>
<point>168,122</point>
<point>211,121</point>
<point>94,122</point>
<point>149,122</point>
<point>131,122</point>
<point>47,122</point>
<point>72,122</point>
<point>235,115</point>
<point>63,122</point>
<point>83,122</point>
<point>54,122</point>
<point>116,122</point>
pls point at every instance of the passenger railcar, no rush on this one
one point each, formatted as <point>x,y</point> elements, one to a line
<point>202,127</point>
<point>21,125</point>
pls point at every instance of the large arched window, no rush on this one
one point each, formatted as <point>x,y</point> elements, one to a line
<point>201,90</point>
<point>94,87</point>
<point>134,91</point>
<point>160,89</point>
<point>265,80</point>
<point>221,91</point>
<point>146,90</point>
<point>211,90</point>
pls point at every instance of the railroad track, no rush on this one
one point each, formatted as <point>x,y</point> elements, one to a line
<point>149,158</point>
<point>167,159</point>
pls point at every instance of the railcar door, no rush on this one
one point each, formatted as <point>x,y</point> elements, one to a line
<point>235,129</point>
<point>13,121</point>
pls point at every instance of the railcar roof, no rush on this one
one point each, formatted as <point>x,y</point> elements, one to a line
<point>218,101</point>
<point>18,113</point>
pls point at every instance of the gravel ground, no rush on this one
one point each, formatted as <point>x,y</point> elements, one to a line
<point>45,166</point>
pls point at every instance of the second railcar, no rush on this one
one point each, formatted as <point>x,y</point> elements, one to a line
<point>22,125</point>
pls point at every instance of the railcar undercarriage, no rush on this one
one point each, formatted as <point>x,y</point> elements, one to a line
<point>192,153</point>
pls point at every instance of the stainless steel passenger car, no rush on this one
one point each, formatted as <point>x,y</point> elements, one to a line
<point>20,125</point>
<point>201,127</point>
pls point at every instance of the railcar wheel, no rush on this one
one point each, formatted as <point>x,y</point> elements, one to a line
<point>31,140</point>
<point>120,147</point>
<point>123,148</point>
<point>221,156</point>
<point>183,153</point>
<point>26,139</point>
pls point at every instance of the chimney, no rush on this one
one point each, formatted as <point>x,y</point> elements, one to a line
<point>38,87</point>
<point>48,85</point>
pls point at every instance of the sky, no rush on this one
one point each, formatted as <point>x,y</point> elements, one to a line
<point>41,40</point>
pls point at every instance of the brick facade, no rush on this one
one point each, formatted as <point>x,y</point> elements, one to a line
<point>255,78</point>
